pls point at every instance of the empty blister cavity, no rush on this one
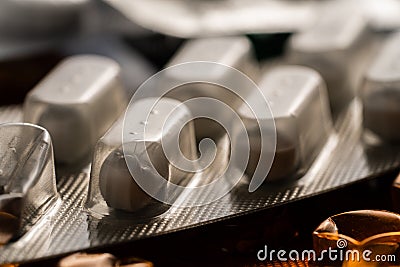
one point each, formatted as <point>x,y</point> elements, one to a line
<point>27,179</point>
<point>113,184</point>
<point>333,47</point>
<point>235,52</point>
<point>77,102</point>
<point>298,99</point>
<point>135,69</point>
<point>380,92</point>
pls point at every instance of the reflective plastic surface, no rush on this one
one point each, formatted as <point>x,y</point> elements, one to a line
<point>333,47</point>
<point>191,19</point>
<point>365,236</point>
<point>380,92</point>
<point>298,99</point>
<point>77,102</point>
<point>71,228</point>
<point>235,52</point>
<point>111,180</point>
<point>27,178</point>
<point>135,69</point>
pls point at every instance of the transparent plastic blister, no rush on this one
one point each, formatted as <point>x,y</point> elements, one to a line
<point>334,46</point>
<point>135,69</point>
<point>77,102</point>
<point>233,51</point>
<point>112,190</point>
<point>343,159</point>
<point>380,92</point>
<point>104,205</point>
<point>27,176</point>
<point>299,102</point>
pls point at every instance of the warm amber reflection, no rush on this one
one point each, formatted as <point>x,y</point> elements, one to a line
<point>101,260</point>
<point>367,238</point>
<point>134,262</point>
<point>396,194</point>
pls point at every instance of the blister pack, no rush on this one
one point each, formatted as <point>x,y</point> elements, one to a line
<point>212,136</point>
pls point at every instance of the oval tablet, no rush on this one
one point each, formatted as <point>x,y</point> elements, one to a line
<point>111,179</point>
<point>298,99</point>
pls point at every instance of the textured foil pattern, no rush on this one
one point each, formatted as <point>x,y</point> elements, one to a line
<point>69,227</point>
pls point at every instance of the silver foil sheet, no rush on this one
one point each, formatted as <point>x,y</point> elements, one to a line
<point>69,227</point>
